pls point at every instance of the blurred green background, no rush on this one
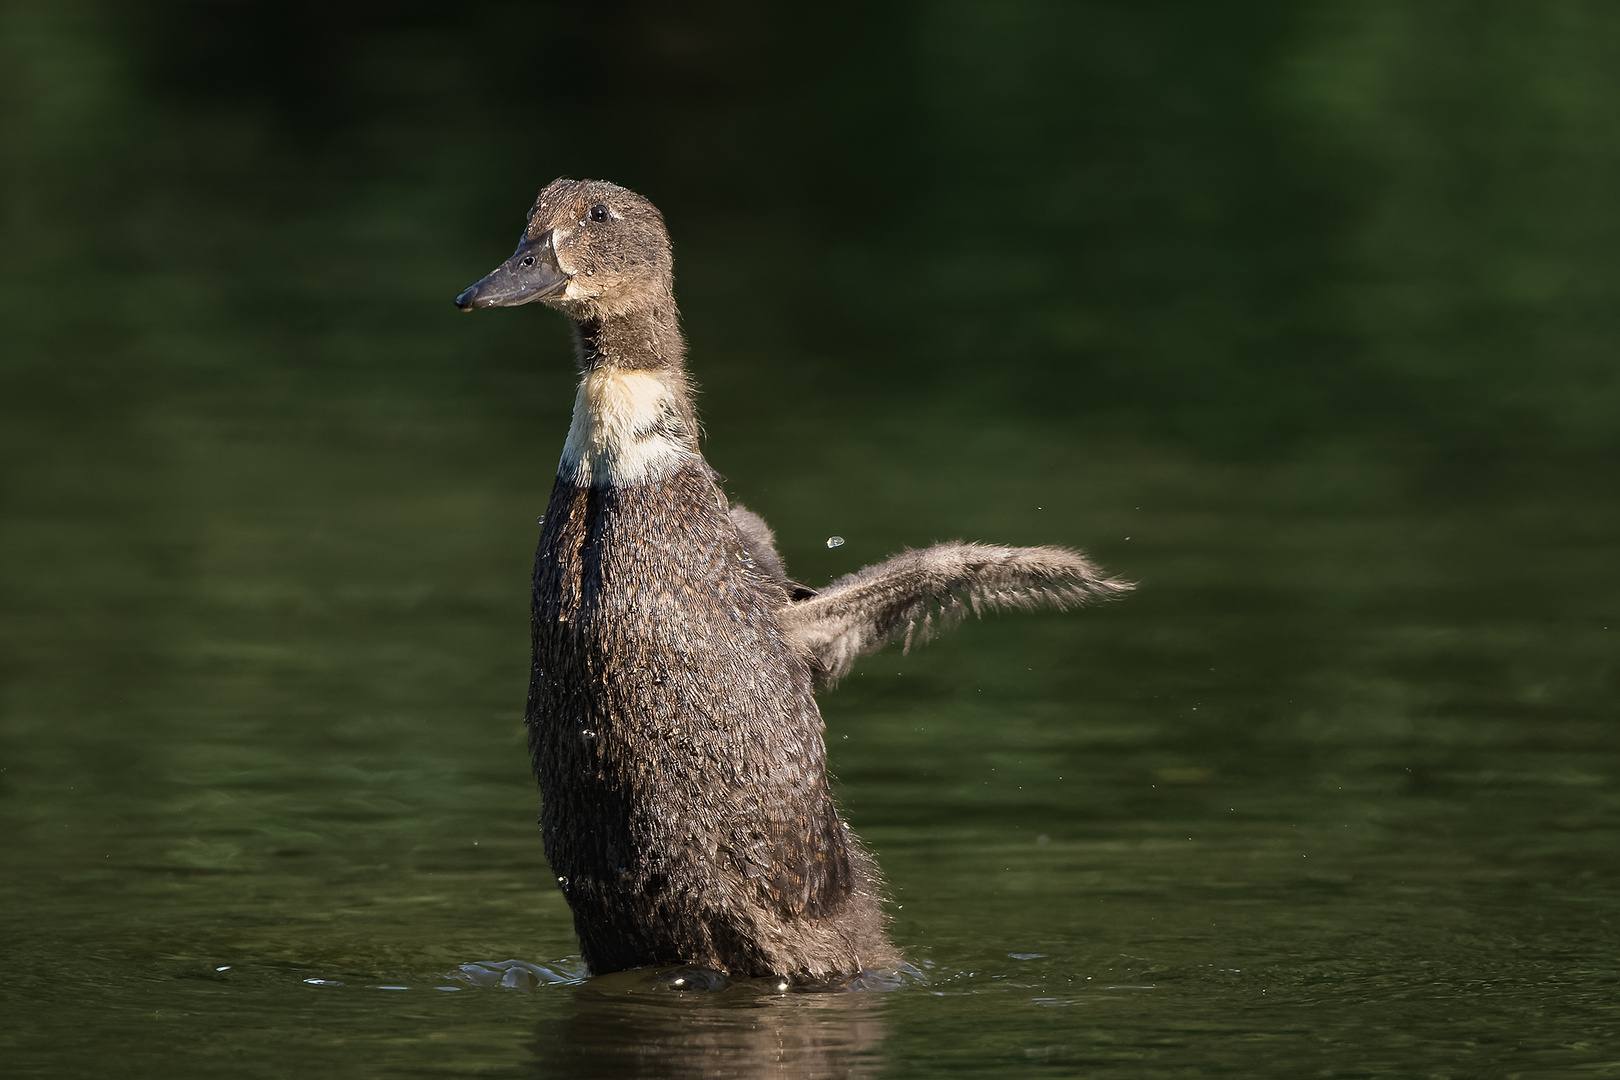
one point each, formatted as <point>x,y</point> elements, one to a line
<point>1303,315</point>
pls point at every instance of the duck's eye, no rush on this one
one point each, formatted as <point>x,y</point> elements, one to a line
<point>528,260</point>
<point>599,212</point>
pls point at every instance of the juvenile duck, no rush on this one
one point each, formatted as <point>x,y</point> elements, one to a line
<point>678,747</point>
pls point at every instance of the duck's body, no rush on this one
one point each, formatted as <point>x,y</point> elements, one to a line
<point>685,805</point>
<point>675,735</point>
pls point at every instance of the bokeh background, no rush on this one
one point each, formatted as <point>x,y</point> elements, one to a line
<point>1303,315</point>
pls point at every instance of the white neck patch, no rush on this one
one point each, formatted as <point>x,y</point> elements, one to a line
<point>617,437</point>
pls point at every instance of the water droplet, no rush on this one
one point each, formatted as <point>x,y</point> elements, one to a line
<point>541,520</point>
<point>835,541</point>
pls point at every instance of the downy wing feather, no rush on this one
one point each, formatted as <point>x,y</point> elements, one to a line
<point>917,593</point>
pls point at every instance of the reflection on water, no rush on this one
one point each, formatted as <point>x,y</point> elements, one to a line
<point>625,1025</point>
<point>1302,316</point>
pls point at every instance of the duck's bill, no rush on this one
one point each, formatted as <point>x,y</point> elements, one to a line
<point>530,274</point>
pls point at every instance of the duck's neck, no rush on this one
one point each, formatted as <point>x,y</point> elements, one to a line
<point>633,420</point>
<point>645,340</point>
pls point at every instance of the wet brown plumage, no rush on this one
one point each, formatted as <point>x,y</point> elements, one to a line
<point>679,750</point>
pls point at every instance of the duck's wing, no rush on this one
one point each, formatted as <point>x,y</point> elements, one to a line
<point>760,543</point>
<point>917,593</point>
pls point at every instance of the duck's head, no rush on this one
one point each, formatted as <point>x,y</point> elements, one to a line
<point>591,249</point>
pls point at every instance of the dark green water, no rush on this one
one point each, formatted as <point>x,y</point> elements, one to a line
<point>1302,316</point>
